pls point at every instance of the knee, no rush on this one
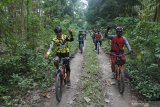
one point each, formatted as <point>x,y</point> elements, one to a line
<point>113,65</point>
<point>56,61</point>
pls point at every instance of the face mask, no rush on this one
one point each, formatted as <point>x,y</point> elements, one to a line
<point>119,34</point>
<point>58,35</point>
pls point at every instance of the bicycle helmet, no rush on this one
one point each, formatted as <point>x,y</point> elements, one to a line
<point>119,29</point>
<point>58,29</point>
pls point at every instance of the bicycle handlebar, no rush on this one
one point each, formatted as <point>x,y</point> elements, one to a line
<point>118,54</point>
<point>63,58</point>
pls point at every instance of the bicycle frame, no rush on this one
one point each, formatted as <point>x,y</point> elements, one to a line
<point>62,68</point>
<point>118,67</point>
<point>60,78</point>
<point>119,72</point>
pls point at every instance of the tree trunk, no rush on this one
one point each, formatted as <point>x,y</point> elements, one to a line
<point>157,11</point>
<point>22,18</point>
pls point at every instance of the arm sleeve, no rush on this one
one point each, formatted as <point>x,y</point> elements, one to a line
<point>71,37</point>
<point>127,44</point>
<point>110,36</point>
<point>101,35</point>
<point>50,48</point>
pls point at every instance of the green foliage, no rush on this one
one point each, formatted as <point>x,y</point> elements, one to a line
<point>106,10</point>
<point>25,34</point>
<point>21,82</point>
<point>147,12</point>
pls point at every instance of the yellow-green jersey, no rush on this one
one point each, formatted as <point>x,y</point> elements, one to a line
<point>60,45</point>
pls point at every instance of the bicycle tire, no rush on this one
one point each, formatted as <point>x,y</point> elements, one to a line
<point>58,87</point>
<point>98,48</point>
<point>121,83</point>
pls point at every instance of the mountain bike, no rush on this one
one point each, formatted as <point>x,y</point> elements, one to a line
<point>60,77</point>
<point>120,76</point>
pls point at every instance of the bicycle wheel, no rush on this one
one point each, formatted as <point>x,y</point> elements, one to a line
<point>58,87</point>
<point>121,83</point>
<point>98,48</point>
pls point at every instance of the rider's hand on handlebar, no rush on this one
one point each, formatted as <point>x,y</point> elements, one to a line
<point>108,28</point>
<point>46,56</point>
<point>131,52</point>
<point>69,30</point>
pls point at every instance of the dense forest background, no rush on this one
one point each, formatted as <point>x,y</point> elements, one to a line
<point>26,29</point>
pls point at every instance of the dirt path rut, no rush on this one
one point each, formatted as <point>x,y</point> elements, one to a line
<point>113,97</point>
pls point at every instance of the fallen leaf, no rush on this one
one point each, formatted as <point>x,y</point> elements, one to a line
<point>37,97</point>
<point>87,99</point>
<point>113,83</point>
<point>46,94</point>
<point>107,100</point>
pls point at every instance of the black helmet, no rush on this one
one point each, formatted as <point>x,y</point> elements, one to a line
<point>119,29</point>
<point>58,29</point>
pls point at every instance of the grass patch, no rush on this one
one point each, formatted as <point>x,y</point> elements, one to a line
<point>91,86</point>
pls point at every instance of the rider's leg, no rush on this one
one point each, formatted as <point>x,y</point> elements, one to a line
<point>122,68</point>
<point>100,42</point>
<point>123,58</point>
<point>83,42</point>
<point>68,70</point>
<point>79,44</point>
<point>56,63</point>
<point>96,44</point>
<point>113,65</point>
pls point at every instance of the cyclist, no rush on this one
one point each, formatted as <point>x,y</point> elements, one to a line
<point>60,44</point>
<point>98,38</point>
<point>117,46</point>
<point>81,38</point>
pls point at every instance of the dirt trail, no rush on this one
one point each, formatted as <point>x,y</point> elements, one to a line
<point>68,92</point>
<point>111,90</point>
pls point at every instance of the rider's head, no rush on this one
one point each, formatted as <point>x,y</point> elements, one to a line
<point>119,31</point>
<point>58,31</point>
<point>80,32</point>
